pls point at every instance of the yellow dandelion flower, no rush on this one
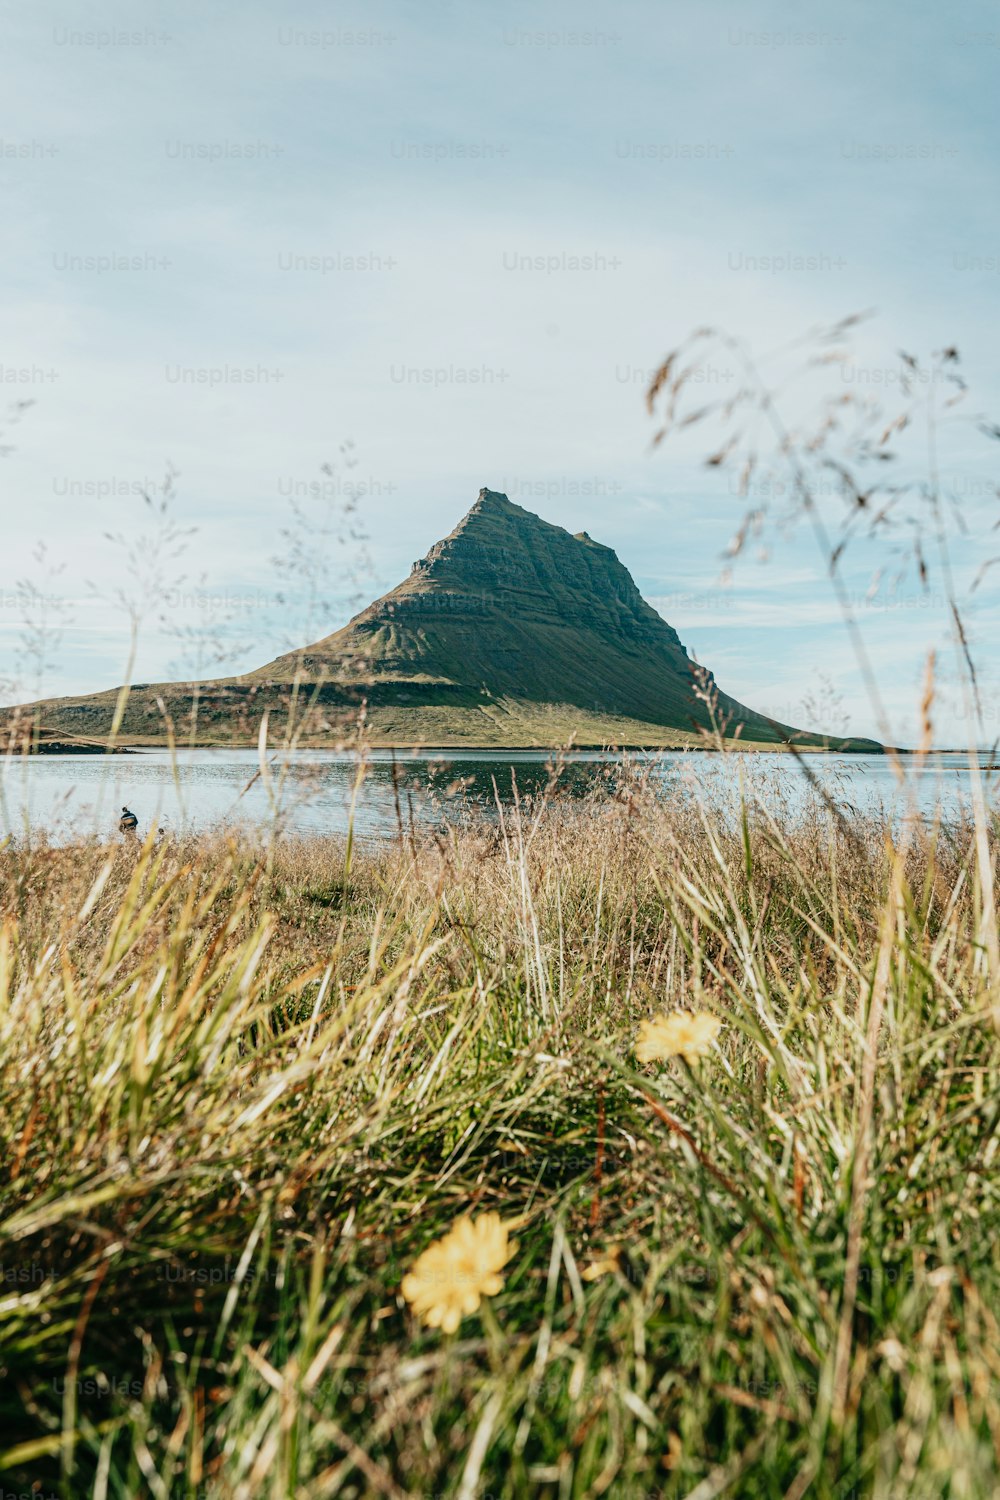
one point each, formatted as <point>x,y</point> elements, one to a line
<point>678,1035</point>
<point>454,1274</point>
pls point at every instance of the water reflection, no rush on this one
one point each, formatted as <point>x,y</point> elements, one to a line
<point>313,790</point>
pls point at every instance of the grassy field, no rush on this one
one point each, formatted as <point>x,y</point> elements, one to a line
<point>500,723</point>
<point>245,1089</point>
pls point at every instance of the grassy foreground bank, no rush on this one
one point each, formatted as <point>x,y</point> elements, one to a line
<point>243,1090</point>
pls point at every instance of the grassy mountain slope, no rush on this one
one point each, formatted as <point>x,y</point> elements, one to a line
<point>509,632</point>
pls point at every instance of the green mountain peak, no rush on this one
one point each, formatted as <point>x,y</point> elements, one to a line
<point>510,631</point>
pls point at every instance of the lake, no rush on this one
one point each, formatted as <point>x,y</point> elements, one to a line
<point>198,790</point>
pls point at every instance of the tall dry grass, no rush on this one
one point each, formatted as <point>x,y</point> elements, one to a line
<point>244,1087</point>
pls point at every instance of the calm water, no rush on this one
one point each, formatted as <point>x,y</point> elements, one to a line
<point>311,792</point>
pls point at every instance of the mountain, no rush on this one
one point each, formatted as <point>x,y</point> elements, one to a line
<point>510,632</point>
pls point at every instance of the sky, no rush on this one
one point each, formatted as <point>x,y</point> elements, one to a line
<point>305,255</point>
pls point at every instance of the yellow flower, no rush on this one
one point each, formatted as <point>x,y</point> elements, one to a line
<point>454,1273</point>
<point>678,1035</point>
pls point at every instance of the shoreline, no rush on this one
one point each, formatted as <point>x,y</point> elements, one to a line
<point>421,750</point>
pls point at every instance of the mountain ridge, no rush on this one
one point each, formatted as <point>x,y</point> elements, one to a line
<point>510,631</point>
